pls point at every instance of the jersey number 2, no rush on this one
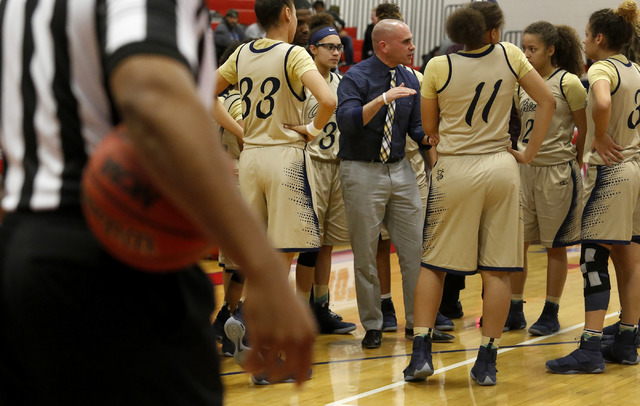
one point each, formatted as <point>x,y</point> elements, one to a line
<point>528,127</point>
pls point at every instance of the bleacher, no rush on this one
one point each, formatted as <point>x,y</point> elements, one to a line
<point>246,16</point>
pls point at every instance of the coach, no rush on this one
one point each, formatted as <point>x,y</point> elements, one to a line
<point>378,104</point>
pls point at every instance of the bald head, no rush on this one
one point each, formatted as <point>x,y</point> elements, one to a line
<point>393,42</point>
<point>384,31</point>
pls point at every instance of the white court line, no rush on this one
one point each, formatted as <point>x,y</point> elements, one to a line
<point>345,402</point>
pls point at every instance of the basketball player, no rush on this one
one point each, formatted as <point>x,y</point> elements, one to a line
<point>314,268</point>
<point>272,167</point>
<point>78,326</point>
<point>552,182</point>
<point>611,214</point>
<point>475,177</point>
<point>271,75</point>
<point>233,280</point>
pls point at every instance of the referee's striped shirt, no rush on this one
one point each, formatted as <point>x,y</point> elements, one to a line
<point>55,60</point>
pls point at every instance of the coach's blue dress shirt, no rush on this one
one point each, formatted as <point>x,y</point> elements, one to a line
<point>361,84</point>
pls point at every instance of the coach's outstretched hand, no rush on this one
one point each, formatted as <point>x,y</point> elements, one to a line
<point>398,92</point>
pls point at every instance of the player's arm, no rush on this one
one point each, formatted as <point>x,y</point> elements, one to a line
<point>171,131</point>
<point>226,121</point>
<point>576,97</point>
<point>430,113</point>
<point>316,84</point>
<point>432,154</point>
<point>313,80</point>
<point>534,85</point>
<point>602,142</point>
<point>580,120</point>
<point>221,83</point>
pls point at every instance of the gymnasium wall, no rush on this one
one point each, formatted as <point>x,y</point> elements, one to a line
<point>426,17</point>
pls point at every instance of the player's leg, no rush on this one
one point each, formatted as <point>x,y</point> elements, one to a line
<point>557,266</point>
<point>559,217</point>
<point>383,261</point>
<point>623,348</point>
<point>305,273</point>
<point>328,322</point>
<point>500,255</point>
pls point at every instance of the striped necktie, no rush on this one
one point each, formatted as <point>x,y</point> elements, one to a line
<point>385,149</point>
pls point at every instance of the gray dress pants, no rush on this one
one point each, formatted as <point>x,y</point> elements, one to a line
<point>374,193</point>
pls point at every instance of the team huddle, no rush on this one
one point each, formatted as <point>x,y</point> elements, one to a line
<point>320,160</point>
<point>325,161</point>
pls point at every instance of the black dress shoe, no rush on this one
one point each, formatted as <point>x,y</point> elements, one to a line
<point>372,339</point>
<point>437,337</point>
<point>440,337</point>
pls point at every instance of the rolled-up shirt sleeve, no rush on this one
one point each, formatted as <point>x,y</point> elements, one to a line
<point>350,104</point>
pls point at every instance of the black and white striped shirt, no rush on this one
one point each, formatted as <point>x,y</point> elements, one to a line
<point>55,60</point>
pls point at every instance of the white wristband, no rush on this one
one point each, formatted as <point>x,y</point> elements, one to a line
<point>384,98</point>
<point>312,130</point>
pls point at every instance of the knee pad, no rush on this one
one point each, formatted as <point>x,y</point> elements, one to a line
<point>236,276</point>
<point>594,264</point>
<point>308,258</point>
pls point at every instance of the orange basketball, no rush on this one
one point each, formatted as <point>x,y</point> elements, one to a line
<point>130,217</point>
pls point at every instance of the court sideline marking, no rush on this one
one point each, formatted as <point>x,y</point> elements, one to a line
<point>345,402</point>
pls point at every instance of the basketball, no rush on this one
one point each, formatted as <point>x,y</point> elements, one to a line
<point>130,217</point>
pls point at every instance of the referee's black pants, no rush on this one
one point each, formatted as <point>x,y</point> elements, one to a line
<point>78,327</point>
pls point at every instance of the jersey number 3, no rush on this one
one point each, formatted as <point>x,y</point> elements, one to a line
<point>264,108</point>
<point>631,123</point>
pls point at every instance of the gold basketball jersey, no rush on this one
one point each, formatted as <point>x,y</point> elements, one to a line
<point>556,147</point>
<point>325,146</point>
<point>268,74</point>
<point>475,102</point>
<point>231,102</point>
<point>625,107</point>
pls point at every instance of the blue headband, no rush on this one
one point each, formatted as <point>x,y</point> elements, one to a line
<point>321,33</point>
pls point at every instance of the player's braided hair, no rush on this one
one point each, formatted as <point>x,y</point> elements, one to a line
<point>618,26</point>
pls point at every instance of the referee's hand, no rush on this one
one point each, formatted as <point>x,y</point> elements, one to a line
<point>281,329</point>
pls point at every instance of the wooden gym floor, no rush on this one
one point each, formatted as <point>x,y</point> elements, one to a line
<point>346,374</point>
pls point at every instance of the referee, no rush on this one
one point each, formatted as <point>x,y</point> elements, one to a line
<point>77,327</point>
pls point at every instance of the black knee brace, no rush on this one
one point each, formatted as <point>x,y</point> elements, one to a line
<point>594,264</point>
<point>308,258</point>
